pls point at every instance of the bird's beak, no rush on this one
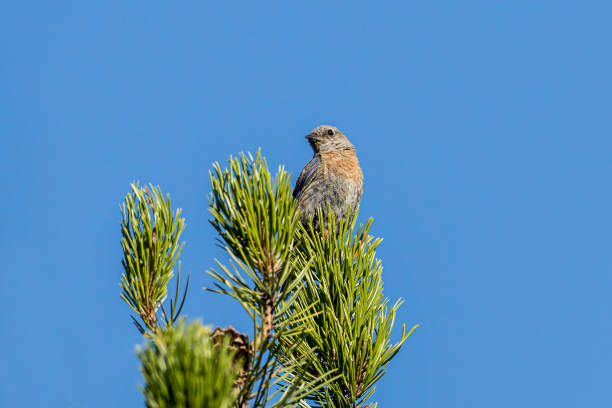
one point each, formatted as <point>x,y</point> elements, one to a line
<point>308,137</point>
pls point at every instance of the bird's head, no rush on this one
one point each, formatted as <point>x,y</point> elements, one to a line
<point>327,138</point>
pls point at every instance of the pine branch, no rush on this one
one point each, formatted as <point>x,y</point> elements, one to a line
<point>187,366</point>
<point>255,216</point>
<point>150,242</point>
<point>351,329</point>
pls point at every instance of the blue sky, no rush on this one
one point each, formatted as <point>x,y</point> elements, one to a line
<point>483,130</point>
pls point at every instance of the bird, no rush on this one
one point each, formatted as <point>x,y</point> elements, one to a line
<point>333,176</point>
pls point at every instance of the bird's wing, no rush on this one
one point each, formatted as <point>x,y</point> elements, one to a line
<point>306,176</point>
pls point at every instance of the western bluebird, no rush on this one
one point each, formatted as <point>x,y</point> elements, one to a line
<point>332,176</point>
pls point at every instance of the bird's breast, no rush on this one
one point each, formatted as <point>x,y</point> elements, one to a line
<point>342,165</point>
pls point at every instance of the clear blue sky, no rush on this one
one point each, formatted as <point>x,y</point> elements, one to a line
<point>484,132</point>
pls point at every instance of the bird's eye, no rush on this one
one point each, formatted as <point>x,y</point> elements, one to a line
<point>330,132</point>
